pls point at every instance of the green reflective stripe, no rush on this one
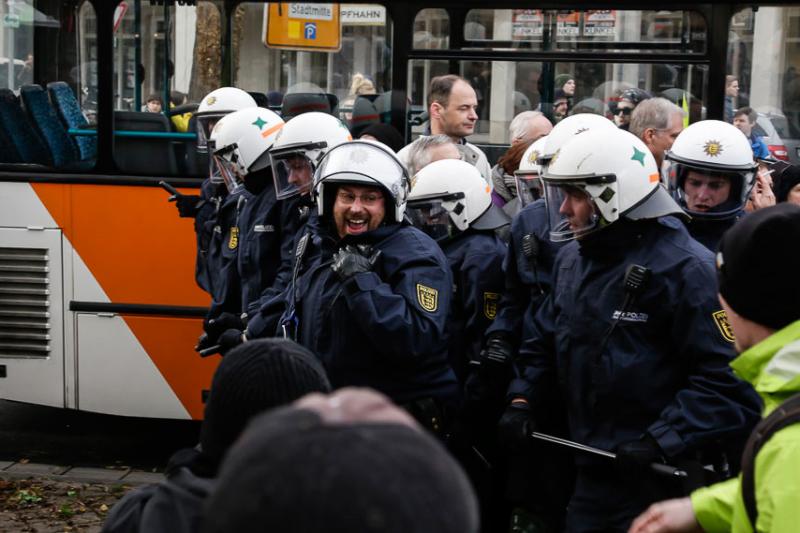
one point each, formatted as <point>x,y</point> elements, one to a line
<point>140,134</point>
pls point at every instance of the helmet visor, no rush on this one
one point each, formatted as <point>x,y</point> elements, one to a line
<point>529,187</point>
<point>432,217</point>
<point>571,211</point>
<point>205,124</point>
<point>227,172</point>
<point>710,195</point>
<point>293,174</point>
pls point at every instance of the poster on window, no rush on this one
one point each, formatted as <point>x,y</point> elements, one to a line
<point>599,22</point>
<point>526,23</point>
<point>568,24</point>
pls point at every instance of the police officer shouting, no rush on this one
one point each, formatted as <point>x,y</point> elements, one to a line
<point>370,294</point>
<point>631,336</point>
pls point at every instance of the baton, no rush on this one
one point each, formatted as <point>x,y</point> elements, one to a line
<point>659,468</point>
<point>211,350</point>
<point>170,189</point>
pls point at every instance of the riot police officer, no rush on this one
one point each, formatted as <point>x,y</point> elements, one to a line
<point>711,174</point>
<point>252,256</point>
<point>632,336</point>
<point>451,202</point>
<point>370,294</point>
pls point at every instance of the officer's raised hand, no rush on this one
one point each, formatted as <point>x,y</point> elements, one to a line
<point>352,260</point>
<point>516,425</point>
<point>495,358</point>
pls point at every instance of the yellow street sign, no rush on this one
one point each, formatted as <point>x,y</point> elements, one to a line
<point>303,26</point>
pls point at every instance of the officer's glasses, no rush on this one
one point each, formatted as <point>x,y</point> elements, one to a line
<point>368,199</point>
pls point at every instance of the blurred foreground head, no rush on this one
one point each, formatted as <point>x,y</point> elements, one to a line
<point>342,463</point>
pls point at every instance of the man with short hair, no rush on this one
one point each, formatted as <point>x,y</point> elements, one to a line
<point>452,106</point>
<point>657,122</point>
<point>745,119</point>
<point>756,270</point>
<point>731,92</point>
<point>528,126</point>
<point>426,150</point>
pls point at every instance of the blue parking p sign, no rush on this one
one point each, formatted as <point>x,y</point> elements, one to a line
<point>310,30</point>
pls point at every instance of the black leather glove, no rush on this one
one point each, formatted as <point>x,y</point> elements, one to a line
<point>352,260</point>
<point>515,426</point>
<point>229,340</point>
<point>203,343</point>
<point>188,205</point>
<point>498,352</point>
<point>214,327</point>
<point>635,457</point>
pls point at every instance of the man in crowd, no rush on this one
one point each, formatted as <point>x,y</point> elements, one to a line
<point>528,126</point>
<point>745,119</point>
<point>631,336</point>
<point>452,106</point>
<point>426,150</point>
<point>657,122</point>
<point>756,270</point>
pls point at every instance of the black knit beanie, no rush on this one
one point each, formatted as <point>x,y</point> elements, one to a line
<point>290,472</point>
<point>787,177</point>
<point>758,262</point>
<point>255,376</point>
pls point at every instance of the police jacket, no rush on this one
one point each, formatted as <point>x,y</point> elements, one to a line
<point>708,231</point>
<point>663,369</point>
<point>384,329</point>
<point>204,222</point>
<point>527,276</point>
<point>223,254</point>
<point>475,258</point>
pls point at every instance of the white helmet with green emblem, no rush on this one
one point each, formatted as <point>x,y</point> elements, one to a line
<point>611,168</point>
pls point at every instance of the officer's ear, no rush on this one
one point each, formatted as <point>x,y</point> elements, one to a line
<point>648,135</point>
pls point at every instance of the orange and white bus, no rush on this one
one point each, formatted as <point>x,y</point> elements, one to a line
<point>99,308</point>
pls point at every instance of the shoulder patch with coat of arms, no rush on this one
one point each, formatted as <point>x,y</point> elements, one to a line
<point>233,241</point>
<point>428,298</point>
<point>724,326</point>
<point>490,300</point>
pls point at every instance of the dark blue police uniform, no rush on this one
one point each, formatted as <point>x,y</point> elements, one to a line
<point>211,195</point>
<point>384,329</point>
<point>223,253</point>
<point>475,259</point>
<point>661,371</point>
<point>527,276</point>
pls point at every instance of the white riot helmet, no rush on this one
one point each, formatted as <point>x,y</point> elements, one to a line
<point>719,151</point>
<point>300,146</point>
<point>567,129</point>
<point>242,141</point>
<point>611,168</point>
<point>216,105</point>
<point>450,196</point>
<point>529,186</point>
<point>362,163</point>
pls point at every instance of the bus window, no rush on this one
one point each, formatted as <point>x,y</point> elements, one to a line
<point>607,30</point>
<point>432,30</point>
<point>506,88</point>
<point>40,89</point>
<point>361,67</point>
<point>763,54</point>
<point>166,58</point>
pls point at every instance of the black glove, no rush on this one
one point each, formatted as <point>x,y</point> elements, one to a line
<point>188,205</point>
<point>635,457</point>
<point>229,340</point>
<point>515,426</point>
<point>352,260</point>
<point>214,327</point>
<point>497,353</point>
<point>203,343</point>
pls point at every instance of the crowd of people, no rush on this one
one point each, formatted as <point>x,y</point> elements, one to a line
<point>413,340</point>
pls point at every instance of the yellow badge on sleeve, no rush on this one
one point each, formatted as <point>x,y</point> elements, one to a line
<point>721,320</point>
<point>490,300</point>
<point>428,298</point>
<point>233,242</point>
